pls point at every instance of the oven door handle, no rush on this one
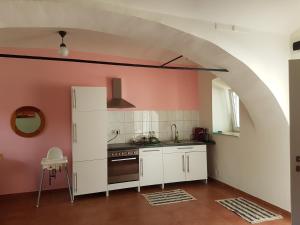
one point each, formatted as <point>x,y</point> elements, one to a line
<point>126,159</point>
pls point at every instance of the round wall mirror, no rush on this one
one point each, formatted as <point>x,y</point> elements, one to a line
<point>28,121</point>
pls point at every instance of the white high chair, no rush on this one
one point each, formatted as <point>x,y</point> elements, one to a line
<point>55,160</point>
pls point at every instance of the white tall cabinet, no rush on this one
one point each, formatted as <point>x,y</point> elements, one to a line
<point>89,144</point>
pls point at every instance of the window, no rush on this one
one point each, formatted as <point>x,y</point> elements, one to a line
<point>225,107</point>
<point>235,108</point>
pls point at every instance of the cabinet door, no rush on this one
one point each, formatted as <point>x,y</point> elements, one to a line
<point>196,166</point>
<point>89,176</point>
<point>151,167</point>
<point>89,98</point>
<point>174,167</point>
<point>89,135</point>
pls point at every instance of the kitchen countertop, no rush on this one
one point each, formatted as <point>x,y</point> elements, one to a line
<point>125,146</point>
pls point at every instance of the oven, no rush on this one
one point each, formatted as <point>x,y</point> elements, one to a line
<point>123,165</point>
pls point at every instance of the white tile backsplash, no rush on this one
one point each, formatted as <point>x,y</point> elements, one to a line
<point>179,115</point>
<point>163,115</point>
<point>129,116</point>
<point>128,128</point>
<point>138,127</point>
<point>155,116</point>
<point>146,116</point>
<point>155,126</point>
<point>135,123</point>
<point>164,126</point>
<point>187,115</point>
<point>146,127</point>
<point>195,115</point>
<point>171,115</point>
<point>138,116</point>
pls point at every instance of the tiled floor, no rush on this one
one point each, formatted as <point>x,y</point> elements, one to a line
<point>127,207</point>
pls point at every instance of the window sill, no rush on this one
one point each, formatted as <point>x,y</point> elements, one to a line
<point>226,133</point>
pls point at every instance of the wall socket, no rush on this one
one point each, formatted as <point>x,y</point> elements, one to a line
<point>116,131</point>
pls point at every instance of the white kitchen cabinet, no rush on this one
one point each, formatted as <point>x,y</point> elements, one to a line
<point>89,135</point>
<point>89,99</point>
<point>89,177</point>
<point>184,163</point>
<point>151,166</point>
<point>174,167</point>
<point>196,168</point>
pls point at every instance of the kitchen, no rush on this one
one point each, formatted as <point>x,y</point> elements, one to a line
<point>117,152</point>
<point>148,148</point>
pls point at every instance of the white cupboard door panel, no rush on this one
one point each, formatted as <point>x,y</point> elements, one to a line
<point>89,177</point>
<point>89,135</point>
<point>196,166</point>
<point>174,167</point>
<point>151,169</point>
<point>89,98</point>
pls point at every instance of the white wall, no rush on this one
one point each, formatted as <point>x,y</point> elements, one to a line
<point>252,162</point>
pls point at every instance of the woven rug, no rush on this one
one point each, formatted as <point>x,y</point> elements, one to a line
<point>168,197</point>
<point>248,210</point>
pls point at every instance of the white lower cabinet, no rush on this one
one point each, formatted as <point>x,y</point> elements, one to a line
<point>84,182</point>
<point>184,163</point>
<point>151,166</point>
<point>196,166</point>
<point>174,168</point>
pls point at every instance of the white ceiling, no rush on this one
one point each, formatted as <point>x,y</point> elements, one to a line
<point>279,16</point>
<point>87,41</point>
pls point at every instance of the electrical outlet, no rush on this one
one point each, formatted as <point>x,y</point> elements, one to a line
<point>116,131</point>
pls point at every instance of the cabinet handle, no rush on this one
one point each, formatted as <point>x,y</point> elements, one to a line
<point>126,159</point>
<point>186,148</point>
<point>142,167</point>
<point>183,166</point>
<point>75,178</point>
<point>74,94</point>
<point>188,163</point>
<point>156,150</point>
<point>75,132</point>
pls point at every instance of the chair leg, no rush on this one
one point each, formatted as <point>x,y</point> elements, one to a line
<point>68,179</point>
<point>40,189</point>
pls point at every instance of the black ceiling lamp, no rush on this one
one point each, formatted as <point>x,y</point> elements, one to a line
<point>63,50</point>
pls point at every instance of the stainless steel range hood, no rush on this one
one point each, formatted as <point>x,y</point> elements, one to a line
<point>117,101</point>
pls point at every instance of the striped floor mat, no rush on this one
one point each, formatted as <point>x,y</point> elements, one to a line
<point>168,197</point>
<point>249,211</point>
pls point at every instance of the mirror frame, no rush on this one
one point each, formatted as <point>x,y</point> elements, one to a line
<point>27,108</point>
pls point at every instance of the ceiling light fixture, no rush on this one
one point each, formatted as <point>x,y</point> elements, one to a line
<point>63,50</point>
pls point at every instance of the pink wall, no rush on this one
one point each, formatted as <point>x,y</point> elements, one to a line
<point>46,85</point>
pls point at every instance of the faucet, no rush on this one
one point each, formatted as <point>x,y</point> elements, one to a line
<point>176,136</point>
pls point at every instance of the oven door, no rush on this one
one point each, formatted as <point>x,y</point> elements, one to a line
<point>123,169</point>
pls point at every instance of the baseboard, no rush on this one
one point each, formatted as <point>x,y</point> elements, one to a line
<point>19,195</point>
<point>271,206</point>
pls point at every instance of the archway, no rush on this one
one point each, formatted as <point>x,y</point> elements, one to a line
<point>257,98</point>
